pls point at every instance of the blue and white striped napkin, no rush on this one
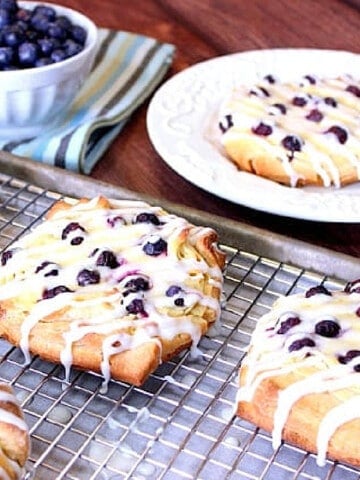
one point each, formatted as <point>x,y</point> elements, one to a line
<point>127,69</point>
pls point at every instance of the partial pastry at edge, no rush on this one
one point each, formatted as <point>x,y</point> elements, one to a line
<point>114,287</point>
<point>14,435</point>
<point>300,379</point>
<point>296,133</point>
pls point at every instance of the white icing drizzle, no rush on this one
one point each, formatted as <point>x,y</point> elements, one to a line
<point>335,418</point>
<point>9,417</point>
<point>269,357</point>
<point>102,308</point>
<point>326,381</point>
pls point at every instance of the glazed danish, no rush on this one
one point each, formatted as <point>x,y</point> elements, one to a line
<point>14,436</point>
<point>296,133</point>
<point>301,377</point>
<point>114,287</point>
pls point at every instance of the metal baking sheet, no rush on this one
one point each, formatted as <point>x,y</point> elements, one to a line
<point>180,424</point>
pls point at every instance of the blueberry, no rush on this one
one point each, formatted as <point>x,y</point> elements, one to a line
<point>88,277</point>
<point>5,256</point>
<point>28,53</point>
<point>354,89</point>
<point>299,101</point>
<point>135,306</point>
<point>70,227</point>
<point>10,5</point>
<point>327,328</point>
<point>45,11</point>
<point>315,115</point>
<point>310,79</point>
<point>292,143</point>
<point>53,292</point>
<point>117,220</point>
<point>179,302</point>
<point>350,354</point>
<point>7,56</point>
<point>58,55</point>
<point>147,217</point>
<point>155,248</point>
<point>137,284</point>
<point>270,78</point>
<point>71,47</point>
<point>226,123</point>
<point>330,101</point>
<point>53,272</point>
<point>56,30</point>
<point>40,22</point>
<point>281,107</point>
<point>353,287</point>
<point>77,240</point>
<point>259,92</point>
<point>78,34</point>
<point>173,290</point>
<point>319,289</point>
<point>301,343</point>
<point>64,22</point>
<point>13,35</point>
<point>6,17</point>
<point>43,61</point>
<point>107,259</point>
<point>287,324</point>
<point>262,129</point>
<point>339,132</point>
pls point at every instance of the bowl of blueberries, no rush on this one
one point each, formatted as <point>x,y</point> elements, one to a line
<point>46,53</point>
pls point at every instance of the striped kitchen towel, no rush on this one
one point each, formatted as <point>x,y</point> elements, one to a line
<point>127,69</point>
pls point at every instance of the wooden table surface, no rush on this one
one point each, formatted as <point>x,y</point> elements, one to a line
<point>205,29</point>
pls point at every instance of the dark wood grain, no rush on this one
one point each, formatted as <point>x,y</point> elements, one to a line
<point>202,30</point>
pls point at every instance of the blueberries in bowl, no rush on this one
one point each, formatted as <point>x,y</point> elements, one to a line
<point>36,36</point>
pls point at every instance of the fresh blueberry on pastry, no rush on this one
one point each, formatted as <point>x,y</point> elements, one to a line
<point>296,133</point>
<point>300,379</point>
<point>92,287</point>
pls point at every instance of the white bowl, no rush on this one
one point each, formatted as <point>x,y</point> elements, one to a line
<point>34,99</point>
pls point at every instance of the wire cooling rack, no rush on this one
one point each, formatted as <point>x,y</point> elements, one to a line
<point>180,424</point>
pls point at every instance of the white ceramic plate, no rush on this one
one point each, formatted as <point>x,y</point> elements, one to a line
<point>181,123</point>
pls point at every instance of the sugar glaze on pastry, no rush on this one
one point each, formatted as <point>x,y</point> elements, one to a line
<point>110,286</point>
<point>301,377</point>
<point>14,436</point>
<point>304,132</point>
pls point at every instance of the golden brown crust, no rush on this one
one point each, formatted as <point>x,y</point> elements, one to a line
<point>252,155</point>
<point>133,364</point>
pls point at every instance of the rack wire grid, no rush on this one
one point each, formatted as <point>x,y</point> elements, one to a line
<point>180,424</point>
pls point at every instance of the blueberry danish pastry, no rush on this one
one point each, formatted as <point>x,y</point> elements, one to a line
<point>298,133</point>
<point>114,287</point>
<point>301,377</point>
